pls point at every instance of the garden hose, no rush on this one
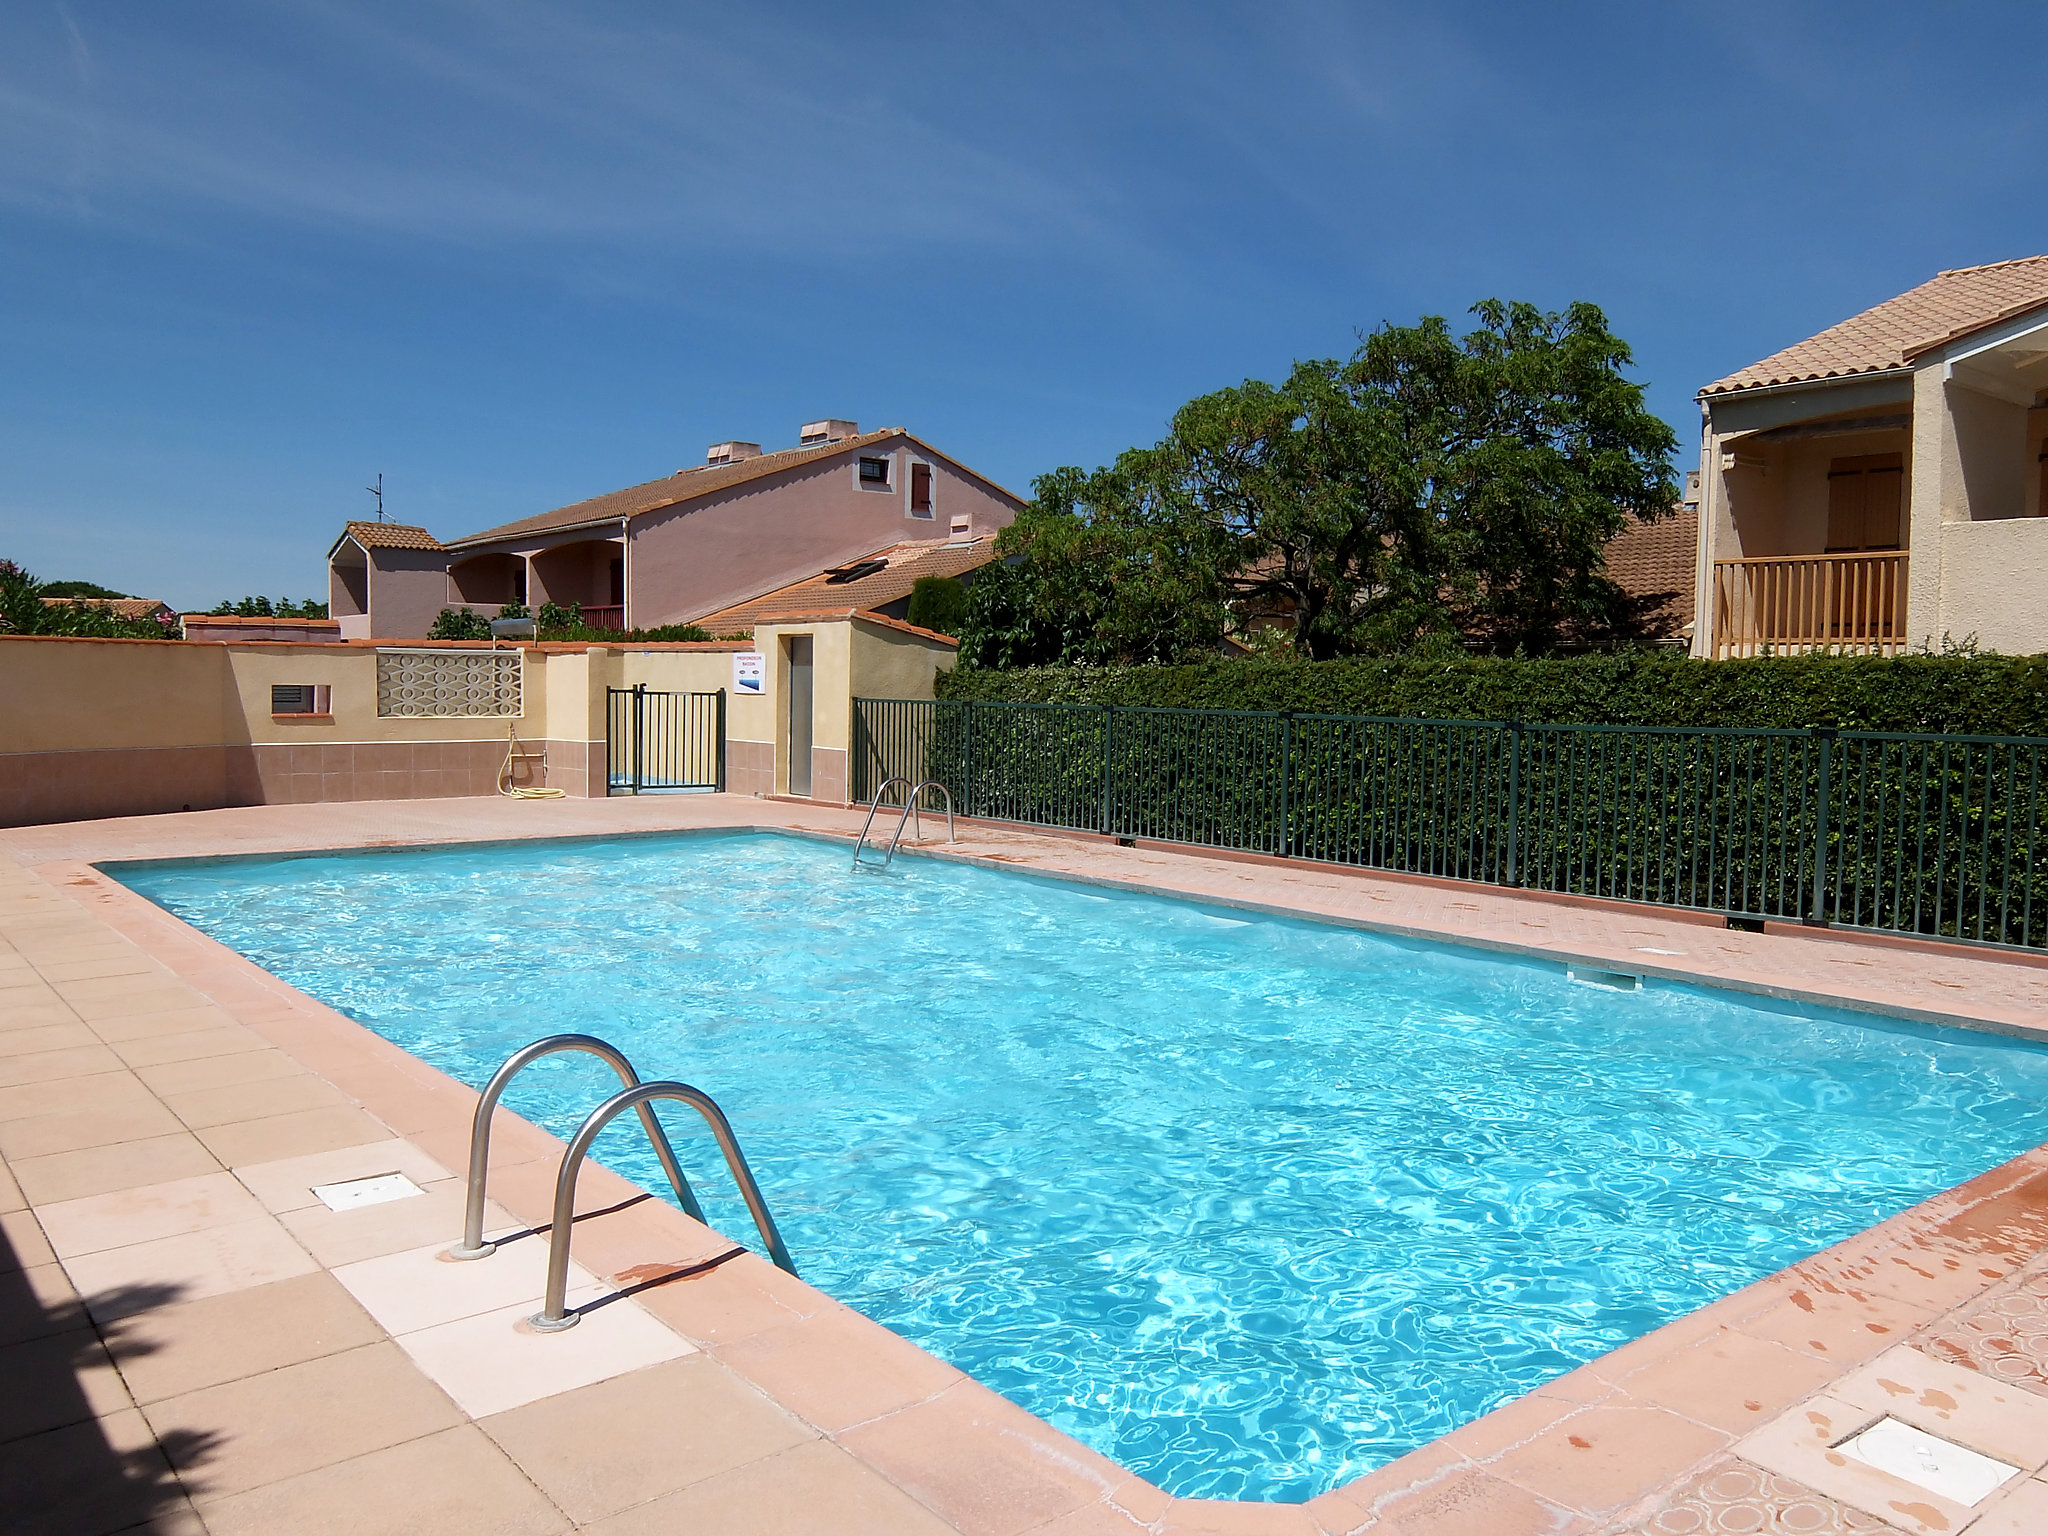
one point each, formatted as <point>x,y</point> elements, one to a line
<point>513,791</point>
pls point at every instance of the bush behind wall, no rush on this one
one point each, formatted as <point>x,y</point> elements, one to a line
<point>1956,694</point>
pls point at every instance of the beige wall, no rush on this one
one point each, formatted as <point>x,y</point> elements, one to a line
<point>113,727</point>
<point>1994,585</point>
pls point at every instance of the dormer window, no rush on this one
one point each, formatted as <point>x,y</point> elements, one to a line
<point>874,474</point>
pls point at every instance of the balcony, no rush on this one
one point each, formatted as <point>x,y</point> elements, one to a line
<point>1785,604</point>
<point>604,615</point>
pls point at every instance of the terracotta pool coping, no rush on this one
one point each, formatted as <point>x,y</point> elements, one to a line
<point>1607,1446</point>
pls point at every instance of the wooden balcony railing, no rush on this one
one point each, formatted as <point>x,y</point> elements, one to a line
<point>1853,604</point>
<point>604,616</point>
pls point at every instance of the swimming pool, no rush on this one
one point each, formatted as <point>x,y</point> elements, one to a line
<point>1250,1204</point>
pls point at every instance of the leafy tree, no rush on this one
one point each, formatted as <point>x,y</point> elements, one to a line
<point>938,603</point>
<point>1434,487</point>
<point>80,589</point>
<point>23,612</point>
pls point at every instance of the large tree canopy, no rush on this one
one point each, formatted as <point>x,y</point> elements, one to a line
<point>1432,485</point>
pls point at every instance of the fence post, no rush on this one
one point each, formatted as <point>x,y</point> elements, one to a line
<point>1514,872</point>
<point>1817,914</point>
<point>720,764</point>
<point>1286,782</point>
<point>1108,817</point>
<point>639,729</point>
<point>967,760</point>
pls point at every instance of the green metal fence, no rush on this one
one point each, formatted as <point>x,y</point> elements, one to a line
<point>1938,835</point>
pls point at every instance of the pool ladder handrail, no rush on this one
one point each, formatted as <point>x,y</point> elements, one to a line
<point>554,1314</point>
<point>635,1095</point>
<point>910,815</point>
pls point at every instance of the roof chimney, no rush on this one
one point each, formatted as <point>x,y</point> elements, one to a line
<point>817,432</point>
<point>730,453</point>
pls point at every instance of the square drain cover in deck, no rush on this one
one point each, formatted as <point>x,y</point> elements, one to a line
<point>376,1190</point>
<point>1926,1461</point>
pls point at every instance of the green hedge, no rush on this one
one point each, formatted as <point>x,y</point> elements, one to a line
<point>1971,695</point>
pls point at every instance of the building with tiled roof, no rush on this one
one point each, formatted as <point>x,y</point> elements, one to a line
<point>1882,486</point>
<point>879,583</point>
<point>120,607</point>
<point>674,550</point>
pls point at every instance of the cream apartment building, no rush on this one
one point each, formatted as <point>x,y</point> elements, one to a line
<point>1884,484</point>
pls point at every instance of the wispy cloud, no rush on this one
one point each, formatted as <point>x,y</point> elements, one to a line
<point>514,121</point>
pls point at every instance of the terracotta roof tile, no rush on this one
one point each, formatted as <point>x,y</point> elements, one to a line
<point>899,567</point>
<point>1654,563</point>
<point>120,607</point>
<point>389,536</point>
<point>1950,305</point>
<point>674,490</point>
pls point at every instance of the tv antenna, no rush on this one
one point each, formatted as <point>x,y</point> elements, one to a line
<point>377,491</point>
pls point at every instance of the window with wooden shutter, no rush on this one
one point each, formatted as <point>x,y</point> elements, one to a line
<point>1866,502</point>
<point>921,490</point>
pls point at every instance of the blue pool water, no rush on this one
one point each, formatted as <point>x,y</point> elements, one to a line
<point>1252,1205</point>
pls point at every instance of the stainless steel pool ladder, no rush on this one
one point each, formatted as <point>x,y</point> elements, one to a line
<point>910,815</point>
<point>635,1095</point>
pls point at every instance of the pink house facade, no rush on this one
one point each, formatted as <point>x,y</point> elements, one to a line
<point>673,550</point>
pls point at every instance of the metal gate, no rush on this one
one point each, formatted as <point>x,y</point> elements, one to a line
<point>663,743</point>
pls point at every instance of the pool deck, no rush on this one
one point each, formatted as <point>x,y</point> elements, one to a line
<point>191,1341</point>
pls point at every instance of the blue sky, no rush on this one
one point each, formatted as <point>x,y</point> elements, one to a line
<point>514,254</point>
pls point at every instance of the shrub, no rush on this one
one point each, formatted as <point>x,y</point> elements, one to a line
<point>939,603</point>
<point>465,625</point>
<point>1959,693</point>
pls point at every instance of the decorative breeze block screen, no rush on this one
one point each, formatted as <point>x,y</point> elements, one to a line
<point>448,683</point>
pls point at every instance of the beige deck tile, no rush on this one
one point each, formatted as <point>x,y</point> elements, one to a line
<point>1467,1501</point>
<point>982,1462</point>
<point>233,1103</point>
<point>735,1301</point>
<point>807,1491</point>
<point>218,1071</point>
<point>1605,1457</point>
<point>45,1135</point>
<point>25,1243</point>
<point>150,1003</point>
<point>56,1065</point>
<point>36,1370</point>
<point>190,1019</point>
<point>336,1238</point>
<point>44,1037</point>
<point>452,1483</point>
<point>2001,1420</point>
<point>2018,1511</point>
<point>92,1479</point>
<point>155,1050</point>
<point>120,1282</point>
<point>147,1212</point>
<point>493,1362</point>
<point>419,1288</point>
<point>122,960</point>
<point>1835,1323</point>
<point>1735,1497</point>
<point>121,1165</point>
<point>837,1369</point>
<point>1730,1381</point>
<point>11,1197</point>
<point>194,1344</point>
<point>1230,1517</point>
<point>297,1418</point>
<point>2004,1336</point>
<point>41,1013</point>
<point>41,1302</point>
<point>603,1448</point>
<point>1798,1445</point>
<point>116,1088</point>
<point>299,1134</point>
<point>1098,1520</point>
<point>287,1184</point>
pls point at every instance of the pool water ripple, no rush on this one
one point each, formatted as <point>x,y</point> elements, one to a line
<point>1251,1205</point>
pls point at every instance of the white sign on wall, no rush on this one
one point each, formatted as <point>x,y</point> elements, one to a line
<point>749,672</point>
